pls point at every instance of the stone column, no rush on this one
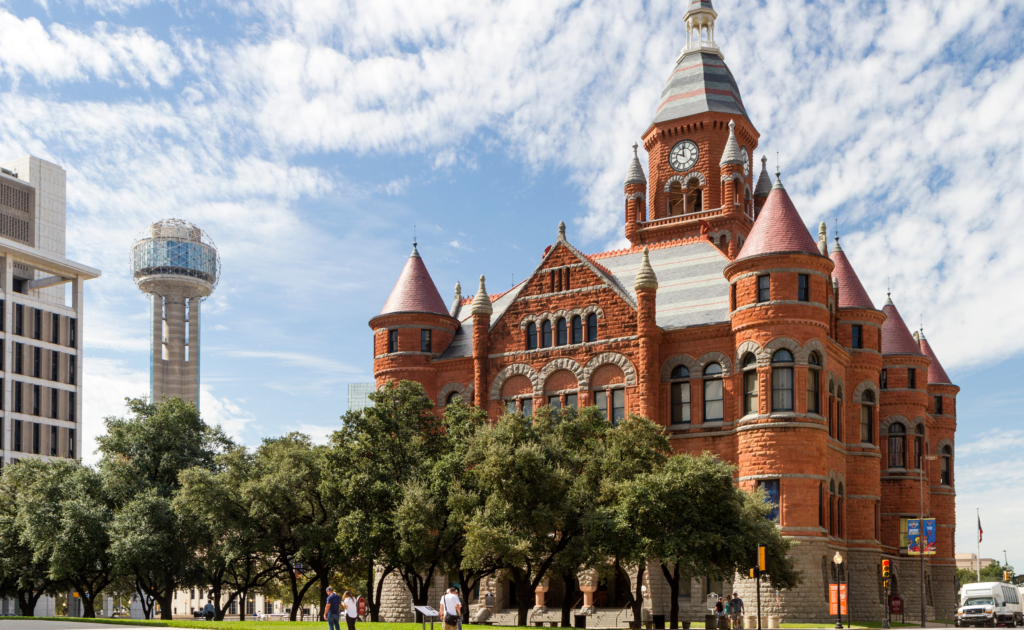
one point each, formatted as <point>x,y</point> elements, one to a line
<point>646,285</point>
<point>588,585</point>
<point>481,311</point>
<point>538,598</point>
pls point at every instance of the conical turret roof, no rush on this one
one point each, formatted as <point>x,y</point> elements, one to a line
<point>635,174</point>
<point>779,228</point>
<point>851,291</point>
<point>731,154</point>
<point>936,374</point>
<point>764,180</point>
<point>896,337</point>
<point>415,291</point>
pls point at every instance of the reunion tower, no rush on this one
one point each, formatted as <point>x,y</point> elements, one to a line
<point>177,265</point>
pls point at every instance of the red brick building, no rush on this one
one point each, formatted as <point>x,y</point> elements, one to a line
<point>726,322</point>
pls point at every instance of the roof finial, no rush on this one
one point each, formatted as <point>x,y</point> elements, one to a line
<point>561,230</point>
<point>645,278</point>
<point>482,302</point>
<point>888,291</point>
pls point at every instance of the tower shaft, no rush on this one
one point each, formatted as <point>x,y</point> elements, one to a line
<point>175,355</point>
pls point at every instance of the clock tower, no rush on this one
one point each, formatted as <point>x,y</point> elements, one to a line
<point>699,146</point>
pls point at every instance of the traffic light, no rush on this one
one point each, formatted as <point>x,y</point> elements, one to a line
<point>885,568</point>
<point>1006,576</point>
<point>752,574</point>
<point>760,558</point>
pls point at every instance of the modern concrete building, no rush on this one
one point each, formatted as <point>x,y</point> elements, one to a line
<point>359,395</point>
<point>41,317</point>
<point>177,265</point>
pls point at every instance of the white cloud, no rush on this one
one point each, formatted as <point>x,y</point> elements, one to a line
<point>225,413</point>
<point>105,385</point>
<point>456,244</point>
<point>64,54</point>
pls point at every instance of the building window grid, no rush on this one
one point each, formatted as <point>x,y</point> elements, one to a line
<point>618,404</point>
<point>392,341</point>
<point>803,290</point>
<point>72,409</point>
<point>764,288</point>
<point>883,379</point>
<point>592,327</point>
<point>531,336</point>
<point>577,329</point>
<point>19,428</point>
<point>71,369</point>
<point>55,329</point>
<point>71,443</point>
<point>545,334</point>
<point>856,336</point>
<point>37,324</point>
<point>782,381</point>
<point>680,391</point>
<point>750,384</point>
<point>54,366</point>
<point>814,384</point>
<point>19,358</point>
<point>938,405</point>
<point>562,331</point>
<point>425,340</point>
<point>714,399</point>
<point>945,476</point>
<point>911,378</point>
<point>37,362</point>
<point>53,440</point>
<point>36,399</point>
<point>54,403</point>
<point>16,385</point>
<point>867,418</point>
<point>897,437</point>
<point>36,441</point>
<point>19,320</point>
<point>72,332</point>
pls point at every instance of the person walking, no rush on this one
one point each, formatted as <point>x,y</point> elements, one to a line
<point>452,609</point>
<point>332,610</point>
<point>736,609</point>
<point>351,610</point>
<point>208,611</point>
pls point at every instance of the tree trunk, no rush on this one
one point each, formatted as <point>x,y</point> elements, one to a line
<point>323,592</point>
<point>672,577</point>
<point>88,604</point>
<point>373,594</point>
<point>525,598</point>
<point>28,603</point>
<point>243,595</point>
<point>569,580</point>
<point>638,596</point>
<point>295,592</point>
<point>165,605</point>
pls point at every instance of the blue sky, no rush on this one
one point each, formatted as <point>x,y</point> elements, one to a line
<point>308,137</point>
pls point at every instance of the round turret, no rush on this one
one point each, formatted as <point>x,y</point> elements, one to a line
<point>173,258</point>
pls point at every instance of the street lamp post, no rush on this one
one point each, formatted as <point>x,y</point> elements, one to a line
<point>838,559</point>
<point>920,533</point>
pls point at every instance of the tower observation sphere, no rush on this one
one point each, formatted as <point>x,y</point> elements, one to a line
<point>177,265</point>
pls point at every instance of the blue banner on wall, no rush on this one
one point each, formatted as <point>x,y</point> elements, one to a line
<point>919,538</point>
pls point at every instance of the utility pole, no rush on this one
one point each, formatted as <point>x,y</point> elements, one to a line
<point>921,543</point>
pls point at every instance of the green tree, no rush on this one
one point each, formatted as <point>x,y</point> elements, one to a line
<point>141,459</point>
<point>288,499</point>
<point>690,515</point>
<point>372,460</point>
<point>536,477</point>
<point>65,518</point>
<point>22,574</point>
<point>235,553</point>
<point>991,573</point>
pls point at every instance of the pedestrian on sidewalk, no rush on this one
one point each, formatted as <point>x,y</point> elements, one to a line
<point>736,610</point>
<point>332,611</point>
<point>451,609</point>
<point>719,607</point>
<point>351,610</point>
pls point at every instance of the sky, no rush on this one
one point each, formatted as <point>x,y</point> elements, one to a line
<point>312,138</point>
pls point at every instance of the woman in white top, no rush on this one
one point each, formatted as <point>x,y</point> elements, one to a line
<point>351,610</point>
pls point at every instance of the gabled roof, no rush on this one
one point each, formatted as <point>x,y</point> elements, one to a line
<point>896,337</point>
<point>936,374</point>
<point>701,82</point>
<point>778,229</point>
<point>851,291</point>
<point>415,291</point>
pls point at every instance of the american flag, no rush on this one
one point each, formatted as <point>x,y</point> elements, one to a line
<point>980,530</point>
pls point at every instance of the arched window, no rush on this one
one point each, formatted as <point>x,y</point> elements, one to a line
<point>839,414</point>
<point>680,395</point>
<point>750,384</point>
<point>832,508</point>
<point>562,332</point>
<point>592,327</point>
<point>946,477</point>
<point>813,380</point>
<point>839,513</point>
<point>531,336</point>
<point>685,200</point>
<point>831,409</point>
<point>919,447</point>
<point>867,417</point>
<point>714,409</point>
<point>821,504</point>
<point>736,192</point>
<point>545,334</point>
<point>577,329</point>
<point>897,436</point>
<point>782,381</point>
<point>452,397</point>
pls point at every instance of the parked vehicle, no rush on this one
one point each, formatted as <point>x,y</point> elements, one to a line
<point>989,604</point>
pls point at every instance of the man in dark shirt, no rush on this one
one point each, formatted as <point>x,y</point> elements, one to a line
<point>736,611</point>
<point>332,612</point>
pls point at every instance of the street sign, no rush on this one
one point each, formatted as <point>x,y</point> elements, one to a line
<point>427,611</point>
<point>712,600</point>
<point>361,606</point>
<point>919,539</point>
<point>895,604</point>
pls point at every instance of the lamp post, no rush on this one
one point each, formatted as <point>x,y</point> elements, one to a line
<point>838,559</point>
<point>920,533</point>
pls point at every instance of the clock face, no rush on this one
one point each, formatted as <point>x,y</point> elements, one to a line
<point>746,162</point>
<point>683,156</point>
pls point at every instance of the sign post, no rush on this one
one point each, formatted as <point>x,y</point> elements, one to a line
<point>427,611</point>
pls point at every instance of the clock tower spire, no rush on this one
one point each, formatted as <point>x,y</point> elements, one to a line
<point>699,138</point>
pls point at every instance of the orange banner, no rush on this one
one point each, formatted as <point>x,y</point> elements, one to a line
<point>833,599</point>
<point>842,599</point>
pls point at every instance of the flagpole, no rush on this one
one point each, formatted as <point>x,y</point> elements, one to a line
<point>979,543</point>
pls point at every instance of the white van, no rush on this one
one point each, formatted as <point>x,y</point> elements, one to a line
<point>989,604</point>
